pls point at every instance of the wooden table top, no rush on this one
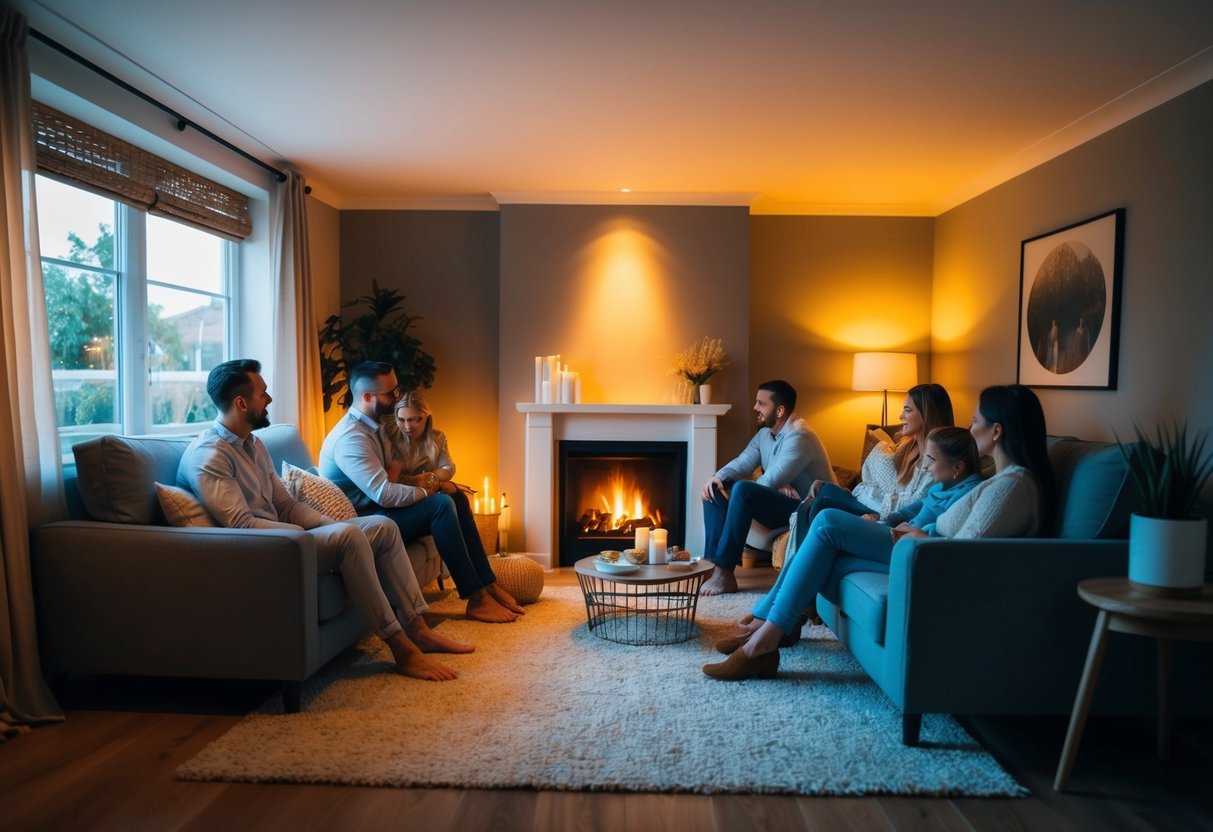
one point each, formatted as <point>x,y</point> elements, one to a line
<point>645,573</point>
<point>1118,595</point>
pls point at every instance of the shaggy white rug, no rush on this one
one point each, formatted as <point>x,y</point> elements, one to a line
<point>544,703</point>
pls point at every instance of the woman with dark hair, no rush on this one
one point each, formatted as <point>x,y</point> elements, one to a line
<point>1008,426</point>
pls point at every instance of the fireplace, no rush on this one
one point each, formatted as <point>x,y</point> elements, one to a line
<point>609,488</point>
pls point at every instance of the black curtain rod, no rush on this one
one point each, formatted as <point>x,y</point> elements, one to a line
<point>182,121</point>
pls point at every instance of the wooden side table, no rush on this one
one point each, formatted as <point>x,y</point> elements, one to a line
<point>1126,609</point>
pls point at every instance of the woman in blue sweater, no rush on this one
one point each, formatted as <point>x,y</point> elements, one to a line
<point>839,542</point>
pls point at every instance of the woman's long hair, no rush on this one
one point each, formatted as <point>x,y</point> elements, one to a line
<point>1017,409</point>
<point>935,405</point>
<point>421,453</point>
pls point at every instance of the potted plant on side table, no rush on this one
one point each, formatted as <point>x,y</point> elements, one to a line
<point>1166,536</point>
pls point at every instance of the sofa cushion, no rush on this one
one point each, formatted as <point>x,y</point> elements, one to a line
<point>181,508</point>
<point>317,492</point>
<point>864,597</point>
<point>116,475</point>
<point>1094,497</point>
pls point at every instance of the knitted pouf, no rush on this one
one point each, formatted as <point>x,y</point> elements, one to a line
<point>520,576</point>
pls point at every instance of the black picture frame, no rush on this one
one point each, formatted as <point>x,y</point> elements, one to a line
<point>1069,305</point>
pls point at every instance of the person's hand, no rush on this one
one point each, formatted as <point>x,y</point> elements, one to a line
<point>448,488</point>
<point>870,516</point>
<point>714,485</point>
<point>906,530</point>
<point>789,491</point>
<point>813,489</point>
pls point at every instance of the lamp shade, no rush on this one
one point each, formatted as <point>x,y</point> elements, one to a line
<point>877,371</point>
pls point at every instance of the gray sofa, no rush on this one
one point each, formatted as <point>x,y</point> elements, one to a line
<point>997,627</point>
<point>119,592</point>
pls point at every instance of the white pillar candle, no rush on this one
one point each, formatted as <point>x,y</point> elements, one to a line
<point>476,505</point>
<point>486,490</point>
<point>545,392</point>
<point>538,378</point>
<point>657,539</point>
<point>566,387</point>
<point>642,538</point>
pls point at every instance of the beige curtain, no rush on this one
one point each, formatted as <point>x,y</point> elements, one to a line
<point>297,390</point>
<point>26,398</point>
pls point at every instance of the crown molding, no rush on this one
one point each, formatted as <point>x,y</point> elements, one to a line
<point>416,203</point>
<point>618,198</point>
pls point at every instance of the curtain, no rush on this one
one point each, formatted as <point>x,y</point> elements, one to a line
<point>26,396</point>
<point>297,392</point>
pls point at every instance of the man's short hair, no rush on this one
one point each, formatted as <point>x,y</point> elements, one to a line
<point>231,379</point>
<point>365,374</point>
<point>781,392</point>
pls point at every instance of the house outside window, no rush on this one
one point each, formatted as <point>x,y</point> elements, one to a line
<point>139,310</point>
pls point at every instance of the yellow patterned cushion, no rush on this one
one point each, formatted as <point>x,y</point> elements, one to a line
<point>317,492</point>
<point>181,508</point>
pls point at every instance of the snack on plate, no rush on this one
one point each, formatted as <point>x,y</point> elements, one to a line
<point>636,556</point>
<point>681,556</point>
<point>609,555</point>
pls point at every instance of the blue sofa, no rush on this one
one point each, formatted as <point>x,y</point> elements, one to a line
<point>995,626</point>
<point>119,592</point>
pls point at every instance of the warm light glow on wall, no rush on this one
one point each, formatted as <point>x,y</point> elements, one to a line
<point>623,317</point>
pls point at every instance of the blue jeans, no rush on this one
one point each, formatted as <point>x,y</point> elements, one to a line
<point>448,517</point>
<point>830,495</point>
<point>837,544</point>
<point>726,523</point>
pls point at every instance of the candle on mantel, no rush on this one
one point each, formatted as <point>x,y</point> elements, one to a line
<point>545,392</point>
<point>476,505</point>
<point>538,378</point>
<point>503,526</point>
<point>566,387</point>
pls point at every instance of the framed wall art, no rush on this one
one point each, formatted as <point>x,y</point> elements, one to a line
<point>1069,304</point>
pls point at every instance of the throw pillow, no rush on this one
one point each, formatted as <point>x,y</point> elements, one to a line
<point>181,508</point>
<point>317,492</point>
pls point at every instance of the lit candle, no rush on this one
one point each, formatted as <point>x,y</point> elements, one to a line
<point>657,539</point>
<point>642,538</point>
<point>486,490</point>
<point>566,387</point>
<point>492,505</point>
<point>476,506</point>
<point>503,526</point>
<point>538,378</point>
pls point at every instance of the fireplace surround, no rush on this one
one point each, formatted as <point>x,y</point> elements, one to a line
<point>549,424</point>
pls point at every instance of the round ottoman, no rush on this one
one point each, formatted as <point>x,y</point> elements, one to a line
<point>520,576</point>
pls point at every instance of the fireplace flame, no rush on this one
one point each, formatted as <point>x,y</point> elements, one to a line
<point>623,500</point>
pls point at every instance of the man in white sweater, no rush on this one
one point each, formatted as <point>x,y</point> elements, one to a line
<point>787,456</point>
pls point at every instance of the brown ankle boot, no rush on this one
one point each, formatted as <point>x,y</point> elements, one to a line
<point>739,666</point>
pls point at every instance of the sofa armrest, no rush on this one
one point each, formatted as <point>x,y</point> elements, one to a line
<point>991,626</point>
<point>151,600</point>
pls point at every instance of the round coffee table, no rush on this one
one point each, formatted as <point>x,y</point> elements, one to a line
<point>653,605</point>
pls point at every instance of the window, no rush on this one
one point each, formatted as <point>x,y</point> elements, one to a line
<point>139,310</point>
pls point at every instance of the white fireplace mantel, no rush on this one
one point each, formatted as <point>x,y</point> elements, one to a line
<point>547,424</point>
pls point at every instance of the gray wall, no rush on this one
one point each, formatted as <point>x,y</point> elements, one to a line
<point>446,264</point>
<point>1159,168</point>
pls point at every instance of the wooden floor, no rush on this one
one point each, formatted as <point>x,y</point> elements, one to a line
<point>110,766</point>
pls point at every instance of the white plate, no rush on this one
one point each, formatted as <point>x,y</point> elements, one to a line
<point>616,568</point>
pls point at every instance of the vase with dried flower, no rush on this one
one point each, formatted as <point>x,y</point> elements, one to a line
<point>698,363</point>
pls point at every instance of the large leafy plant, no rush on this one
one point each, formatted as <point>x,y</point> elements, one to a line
<point>1168,471</point>
<point>380,333</point>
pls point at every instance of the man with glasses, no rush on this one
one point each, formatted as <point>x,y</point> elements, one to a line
<point>357,455</point>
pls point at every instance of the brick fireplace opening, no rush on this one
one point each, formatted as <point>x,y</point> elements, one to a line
<point>608,488</point>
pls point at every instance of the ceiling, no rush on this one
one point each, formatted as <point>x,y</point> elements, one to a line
<point>881,107</point>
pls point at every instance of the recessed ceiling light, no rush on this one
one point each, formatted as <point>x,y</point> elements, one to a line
<point>625,190</point>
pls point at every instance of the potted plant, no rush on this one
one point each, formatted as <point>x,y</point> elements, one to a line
<point>698,363</point>
<point>379,334</point>
<point>1166,536</point>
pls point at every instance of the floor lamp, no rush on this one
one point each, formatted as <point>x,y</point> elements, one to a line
<point>882,372</point>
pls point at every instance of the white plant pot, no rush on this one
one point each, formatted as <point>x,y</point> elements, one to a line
<point>1167,556</point>
<point>705,394</point>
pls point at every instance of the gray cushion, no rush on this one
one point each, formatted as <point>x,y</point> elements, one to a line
<point>117,476</point>
<point>1094,497</point>
<point>286,445</point>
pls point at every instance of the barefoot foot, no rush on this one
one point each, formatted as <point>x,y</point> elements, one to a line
<point>505,599</point>
<point>421,666</point>
<point>429,641</point>
<point>722,582</point>
<point>484,607</point>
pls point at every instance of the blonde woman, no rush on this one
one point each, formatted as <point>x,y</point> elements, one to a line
<point>422,458</point>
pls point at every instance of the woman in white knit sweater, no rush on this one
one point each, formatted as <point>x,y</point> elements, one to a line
<point>1009,426</point>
